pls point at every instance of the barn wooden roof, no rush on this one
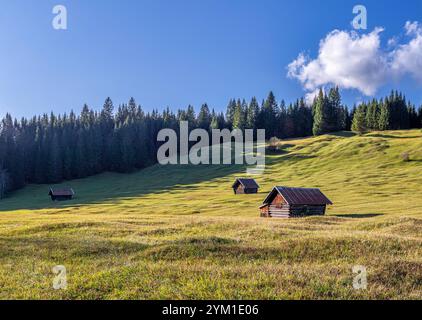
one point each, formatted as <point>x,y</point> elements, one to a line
<point>299,196</point>
<point>247,183</point>
<point>61,192</point>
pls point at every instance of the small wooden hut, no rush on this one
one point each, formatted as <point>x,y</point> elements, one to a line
<point>284,202</point>
<point>245,186</point>
<point>61,194</point>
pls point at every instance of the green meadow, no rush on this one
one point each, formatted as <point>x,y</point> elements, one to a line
<point>179,232</point>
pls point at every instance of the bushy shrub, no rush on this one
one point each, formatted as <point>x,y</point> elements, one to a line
<point>274,142</point>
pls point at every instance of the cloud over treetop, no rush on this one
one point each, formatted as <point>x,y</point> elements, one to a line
<point>353,61</point>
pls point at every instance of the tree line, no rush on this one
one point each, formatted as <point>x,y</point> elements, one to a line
<point>53,148</point>
<point>389,113</point>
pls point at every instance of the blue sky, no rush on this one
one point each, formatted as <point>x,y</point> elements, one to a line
<point>175,52</point>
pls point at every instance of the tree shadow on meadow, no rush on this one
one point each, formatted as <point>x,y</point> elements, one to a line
<point>343,134</point>
<point>357,215</point>
<point>107,188</point>
<point>391,136</point>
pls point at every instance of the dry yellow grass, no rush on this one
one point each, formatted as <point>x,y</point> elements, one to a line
<point>179,232</point>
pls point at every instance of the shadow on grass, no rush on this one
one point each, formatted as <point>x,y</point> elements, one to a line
<point>357,215</point>
<point>224,250</point>
<point>390,136</point>
<point>344,134</point>
<point>107,188</point>
<point>47,246</point>
<point>279,149</point>
<point>296,157</point>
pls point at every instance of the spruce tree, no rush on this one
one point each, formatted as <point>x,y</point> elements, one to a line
<point>281,120</point>
<point>4,180</point>
<point>359,120</point>
<point>231,108</point>
<point>321,122</point>
<point>204,117</point>
<point>334,110</point>
<point>214,123</point>
<point>269,115</point>
<point>239,116</point>
<point>252,114</point>
<point>304,119</point>
<point>372,115</point>
<point>190,117</point>
<point>384,116</point>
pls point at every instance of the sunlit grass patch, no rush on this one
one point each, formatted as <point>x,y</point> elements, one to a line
<point>180,232</point>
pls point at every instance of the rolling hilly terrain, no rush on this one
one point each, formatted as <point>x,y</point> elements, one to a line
<point>179,232</point>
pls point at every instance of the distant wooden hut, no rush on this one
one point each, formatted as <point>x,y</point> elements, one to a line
<point>62,194</point>
<point>245,186</point>
<point>284,202</point>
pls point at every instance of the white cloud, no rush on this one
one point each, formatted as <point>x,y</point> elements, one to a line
<point>407,58</point>
<point>353,61</point>
<point>393,42</point>
<point>412,28</point>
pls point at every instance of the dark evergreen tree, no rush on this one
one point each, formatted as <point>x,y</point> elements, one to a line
<point>252,114</point>
<point>384,122</point>
<point>55,165</point>
<point>304,120</point>
<point>239,117</point>
<point>268,115</point>
<point>359,120</point>
<point>335,117</point>
<point>373,115</point>
<point>4,180</point>
<point>231,108</point>
<point>204,117</point>
<point>321,114</point>
<point>413,116</point>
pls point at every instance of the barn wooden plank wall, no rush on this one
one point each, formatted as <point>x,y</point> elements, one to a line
<point>276,205</point>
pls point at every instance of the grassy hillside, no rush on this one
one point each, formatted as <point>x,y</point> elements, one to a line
<point>179,232</point>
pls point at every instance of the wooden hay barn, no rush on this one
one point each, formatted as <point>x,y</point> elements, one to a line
<point>245,186</point>
<point>61,194</point>
<point>284,202</point>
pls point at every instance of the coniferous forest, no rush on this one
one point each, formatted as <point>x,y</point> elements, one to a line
<point>53,148</point>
